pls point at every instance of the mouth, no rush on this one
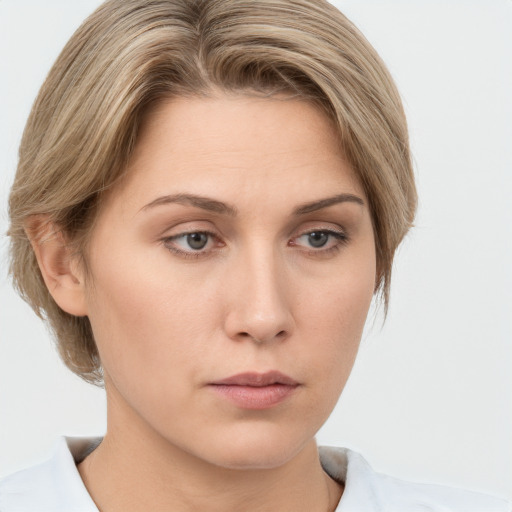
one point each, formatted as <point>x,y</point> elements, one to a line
<point>256,391</point>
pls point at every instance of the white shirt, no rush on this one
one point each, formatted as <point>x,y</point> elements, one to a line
<point>56,486</point>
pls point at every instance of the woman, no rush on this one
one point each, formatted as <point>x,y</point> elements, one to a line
<point>208,196</point>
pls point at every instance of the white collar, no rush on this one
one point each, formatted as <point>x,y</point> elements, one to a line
<point>53,486</point>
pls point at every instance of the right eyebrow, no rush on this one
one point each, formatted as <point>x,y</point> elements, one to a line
<point>205,203</point>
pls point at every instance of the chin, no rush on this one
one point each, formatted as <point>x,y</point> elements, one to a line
<point>261,449</point>
<point>255,459</point>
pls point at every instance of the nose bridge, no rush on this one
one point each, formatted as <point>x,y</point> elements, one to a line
<point>259,307</point>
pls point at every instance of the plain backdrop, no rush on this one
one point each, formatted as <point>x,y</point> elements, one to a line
<point>430,397</point>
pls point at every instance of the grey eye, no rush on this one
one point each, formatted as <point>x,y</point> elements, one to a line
<point>318,238</point>
<point>197,241</point>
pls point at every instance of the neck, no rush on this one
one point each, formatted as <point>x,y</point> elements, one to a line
<point>152,473</point>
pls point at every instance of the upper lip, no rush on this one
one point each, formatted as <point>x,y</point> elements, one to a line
<point>256,379</point>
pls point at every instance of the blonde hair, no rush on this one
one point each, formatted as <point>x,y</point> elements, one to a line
<point>131,53</point>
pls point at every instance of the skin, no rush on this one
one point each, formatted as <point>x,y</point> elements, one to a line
<point>260,295</point>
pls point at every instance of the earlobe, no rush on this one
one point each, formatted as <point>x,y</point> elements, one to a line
<point>59,267</point>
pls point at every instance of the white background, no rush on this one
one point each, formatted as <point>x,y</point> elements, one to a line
<point>430,397</point>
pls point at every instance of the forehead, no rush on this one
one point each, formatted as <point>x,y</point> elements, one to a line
<point>238,146</point>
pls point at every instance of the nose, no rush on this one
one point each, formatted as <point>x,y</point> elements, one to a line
<point>258,306</point>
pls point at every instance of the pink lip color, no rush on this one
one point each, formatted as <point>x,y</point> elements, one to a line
<point>256,390</point>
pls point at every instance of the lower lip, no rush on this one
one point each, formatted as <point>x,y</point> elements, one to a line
<point>256,398</point>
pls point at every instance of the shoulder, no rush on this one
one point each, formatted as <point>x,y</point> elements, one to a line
<point>369,491</point>
<point>52,486</point>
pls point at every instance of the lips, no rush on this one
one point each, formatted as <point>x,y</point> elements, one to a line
<point>257,379</point>
<point>255,390</point>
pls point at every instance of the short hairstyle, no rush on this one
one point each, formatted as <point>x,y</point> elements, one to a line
<point>130,54</point>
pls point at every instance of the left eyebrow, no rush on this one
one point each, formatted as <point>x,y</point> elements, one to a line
<point>329,201</point>
<point>204,203</point>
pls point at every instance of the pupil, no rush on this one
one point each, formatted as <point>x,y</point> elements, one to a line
<point>318,238</point>
<point>197,240</point>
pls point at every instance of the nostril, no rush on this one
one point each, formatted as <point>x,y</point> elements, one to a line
<point>250,336</point>
<point>246,335</point>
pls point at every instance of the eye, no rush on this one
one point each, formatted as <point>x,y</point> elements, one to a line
<point>193,243</point>
<point>317,238</point>
<point>196,241</point>
<point>321,240</point>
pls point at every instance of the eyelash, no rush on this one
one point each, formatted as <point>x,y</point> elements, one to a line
<point>340,237</point>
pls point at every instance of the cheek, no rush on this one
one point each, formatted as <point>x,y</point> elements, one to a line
<point>341,299</point>
<point>144,323</point>
<point>335,316</point>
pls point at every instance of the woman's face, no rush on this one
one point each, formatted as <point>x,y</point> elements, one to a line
<point>232,271</point>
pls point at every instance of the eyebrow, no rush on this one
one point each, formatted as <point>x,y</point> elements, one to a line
<point>212,205</point>
<point>205,203</point>
<point>329,201</point>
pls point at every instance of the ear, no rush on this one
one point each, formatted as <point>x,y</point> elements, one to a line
<point>60,268</point>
